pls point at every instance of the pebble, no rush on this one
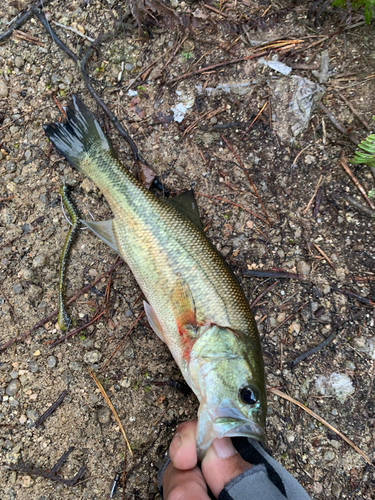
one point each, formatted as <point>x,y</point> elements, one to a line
<point>33,367</point>
<point>14,129</point>
<point>174,3</point>
<point>336,490</point>
<point>129,67</point>
<point>3,89</point>
<point>17,288</point>
<point>27,481</point>
<point>329,455</point>
<point>13,387</point>
<point>303,268</point>
<point>318,488</point>
<point>128,353</point>
<point>92,357</point>
<point>68,79</point>
<point>51,361</point>
<point>19,62</point>
<point>23,419</point>
<point>104,415</point>
<point>14,374</point>
<point>125,382</point>
<point>93,272</point>
<point>27,154</point>
<point>40,260</point>
<point>75,366</point>
<point>13,402</point>
<point>32,415</point>
<point>129,313</point>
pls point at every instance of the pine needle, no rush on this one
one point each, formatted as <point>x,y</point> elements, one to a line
<point>321,420</point>
<point>101,389</point>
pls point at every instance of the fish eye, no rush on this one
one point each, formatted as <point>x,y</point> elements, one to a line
<point>249,395</point>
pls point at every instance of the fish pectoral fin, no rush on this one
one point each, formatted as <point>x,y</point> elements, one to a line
<point>186,204</point>
<point>153,320</point>
<point>104,230</point>
<point>183,307</point>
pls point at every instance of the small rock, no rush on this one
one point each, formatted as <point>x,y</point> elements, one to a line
<point>13,387</point>
<point>88,343</point>
<point>40,260</point>
<point>104,415</point>
<point>17,288</point>
<point>336,444</point>
<point>329,455</point>
<point>318,488</point>
<point>68,79</point>
<point>92,357</point>
<point>129,67</point>
<point>14,129</point>
<point>93,272</point>
<point>27,481</point>
<point>51,361</point>
<point>128,353</point>
<point>75,366</point>
<point>87,185</point>
<point>336,490</point>
<point>19,62</point>
<point>27,154</point>
<point>281,253</point>
<point>125,382</point>
<point>128,313</point>
<point>14,374</point>
<point>33,367</point>
<point>23,419</point>
<point>3,89</point>
<point>309,159</point>
<point>280,317</point>
<point>294,328</point>
<point>13,402</point>
<point>290,436</point>
<point>8,445</point>
<point>67,377</point>
<point>303,268</point>
<point>36,353</point>
<point>174,3</point>
<point>32,415</point>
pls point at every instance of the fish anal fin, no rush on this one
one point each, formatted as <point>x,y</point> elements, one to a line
<point>153,320</point>
<point>104,231</point>
<point>186,204</point>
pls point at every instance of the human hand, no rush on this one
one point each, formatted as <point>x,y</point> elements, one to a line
<point>183,480</point>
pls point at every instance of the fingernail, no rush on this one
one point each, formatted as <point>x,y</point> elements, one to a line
<point>223,447</point>
<point>175,444</point>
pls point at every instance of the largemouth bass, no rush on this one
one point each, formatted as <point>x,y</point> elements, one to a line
<point>194,302</point>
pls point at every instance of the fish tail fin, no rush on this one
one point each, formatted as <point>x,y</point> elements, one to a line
<point>80,133</point>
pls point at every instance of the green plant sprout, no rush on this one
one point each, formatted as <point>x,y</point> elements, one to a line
<point>368,156</point>
<point>368,6</point>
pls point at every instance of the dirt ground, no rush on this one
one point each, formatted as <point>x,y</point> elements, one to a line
<point>138,378</point>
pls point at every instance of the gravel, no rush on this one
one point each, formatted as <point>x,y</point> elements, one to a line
<point>13,387</point>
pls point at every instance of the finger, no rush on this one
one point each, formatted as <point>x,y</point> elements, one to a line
<point>222,463</point>
<point>182,450</point>
<point>184,484</point>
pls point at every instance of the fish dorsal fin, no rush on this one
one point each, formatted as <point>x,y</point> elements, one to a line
<point>104,230</point>
<point>153,320</point>
<point>183,305</point>
<point>186,204</point>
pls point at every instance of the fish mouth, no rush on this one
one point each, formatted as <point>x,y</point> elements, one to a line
<point>230,422</point>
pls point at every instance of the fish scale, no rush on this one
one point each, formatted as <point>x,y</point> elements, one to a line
<point>171,257</point>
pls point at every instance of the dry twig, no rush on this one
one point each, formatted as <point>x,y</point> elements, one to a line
<point>325,256</point>
<point>343,162</point>
<point>322,421</point>
<point>104,394</point>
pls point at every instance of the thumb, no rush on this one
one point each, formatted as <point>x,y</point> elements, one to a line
<point>221,464</point>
